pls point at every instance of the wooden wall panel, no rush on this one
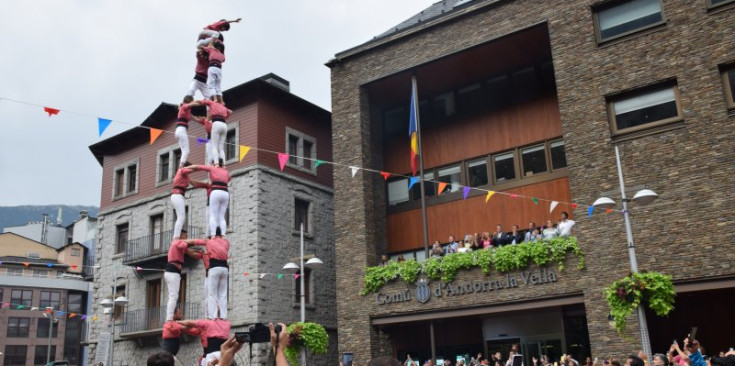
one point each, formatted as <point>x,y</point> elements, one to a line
<point>460,217</point>
<point>522,124</point>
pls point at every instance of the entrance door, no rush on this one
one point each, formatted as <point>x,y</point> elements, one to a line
<point>551,347</point>
<point>503,346</point>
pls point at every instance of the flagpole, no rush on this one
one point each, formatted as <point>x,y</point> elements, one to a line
<point>415,101</point>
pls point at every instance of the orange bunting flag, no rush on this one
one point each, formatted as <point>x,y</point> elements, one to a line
<point>385,175</point>
<point>26,264</point>
<point>72,315</point>
<point>51,111</point>
<point>442,187</point>
<point>154,134</point>
<point>608,210</point>
<point>489,194</point>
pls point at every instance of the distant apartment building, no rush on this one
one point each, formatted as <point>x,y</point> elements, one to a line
<point>266,206</point>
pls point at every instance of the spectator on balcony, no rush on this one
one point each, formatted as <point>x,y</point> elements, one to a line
<point>529,232</point>
<point>384,260</point>
<point>400,259</point>
<point>436,250</point>
<point>550,231</point>
<point>158,359</point>
<point>485,241</point>
<point>172,273</point>
<point>452,246</point>
<point>565,225</point>
<point>516,237</point>
<point>500,237</point>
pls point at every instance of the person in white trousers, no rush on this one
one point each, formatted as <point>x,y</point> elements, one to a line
<point>214,31</point>
<point>199,82</point>
<point>219,198</point>
<point>218,114</point>
<point>219,249</point>
<point>181,184</point>
<point>172,273</point>
<point>182,124</point>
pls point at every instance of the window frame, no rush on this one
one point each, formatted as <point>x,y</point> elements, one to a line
<point>711,6</point>
<point>76,252</point>
<point>466,167</point>
<point>308,286</point>
<point>118,313</point>
<point>596,8</point>
<point>448,190</point>
<point>387,190</point>
<point>20,358</point>
<point>233,126</point>
<point>118,248</point>
<point>40,333</point>
<point>727,88</point>
<point>300,151</point>
<point>14,331</point>
<point>14,271</point>
<point>40,273</point>
<point>550,157</point>
<point>637,92</point>
<point>169,151</point>
<point>50,300</point>
<point>23,300</point>
<point>307,222</point>
<point>516,167</point>
<point>43,353</point>
<point>545,146</point>
<point>125,167</point>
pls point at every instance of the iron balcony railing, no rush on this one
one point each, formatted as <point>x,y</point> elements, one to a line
<point>153,246</point>
<point>88,269</point>
<point>152,318</point>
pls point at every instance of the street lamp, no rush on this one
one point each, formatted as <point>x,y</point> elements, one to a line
<point>642,197</point>
<point>110,304</point>
<point>49,314</point>
<point>292,267</point>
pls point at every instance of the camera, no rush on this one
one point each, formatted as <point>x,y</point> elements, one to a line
<point>257,333</point>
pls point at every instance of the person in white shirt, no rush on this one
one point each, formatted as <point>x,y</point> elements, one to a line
<point>565,225</point>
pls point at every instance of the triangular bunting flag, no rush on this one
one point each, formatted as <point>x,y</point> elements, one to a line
<point>74,266</point>
<point>49,265</point>
<point>412,181</point>
<point>535,200</point>
<point>48,311</point>
<point>138,269</point>
<point>20,307</point>
<point>102,124</point>
<point>553,206</point>
<point>465,192</point>
<point>282,159</point>
<point>262,275</point>
<point>61,313</point>
<point>94,317</point>
<point>489,194</point>
<point>34,308</point>
<point>589,211</point>
<point>154,134</point>
<point>72,315</point>
<point>574,206</point>
<point>51,111</point>
<point>201,141</point>
<point>354,170</point>
<point>318,162</point>
<point>243,151</point>
<point>280,275</point>
<point>246,274</point>
<point>608,210</point>
<point>442,187</point>
<point>26,264</point>
<point>296,276</point>
<point>385,175</point>
<point>83,317</point>
<point>6,304</point>
<point>513,195</point>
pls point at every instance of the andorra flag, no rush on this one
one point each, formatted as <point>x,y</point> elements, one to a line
<point>413,129</point>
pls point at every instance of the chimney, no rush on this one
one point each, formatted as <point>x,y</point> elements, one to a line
<point>58,218</point>
<point>278,81</point>
<point>83,214</point>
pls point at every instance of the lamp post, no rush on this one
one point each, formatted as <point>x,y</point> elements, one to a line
<point>293,268</point>
<point>49,314</point>
<point>110,304</point>
<point>642,197</point>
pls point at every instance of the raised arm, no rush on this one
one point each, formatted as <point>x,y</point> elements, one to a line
<point>187,323</point>
<point>234,21</point>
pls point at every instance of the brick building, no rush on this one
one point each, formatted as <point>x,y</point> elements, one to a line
<point>530,97</point>
<point>136,219</point>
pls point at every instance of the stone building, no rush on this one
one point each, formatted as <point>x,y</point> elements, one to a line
<point>529,98</point>
<point>136,220</point>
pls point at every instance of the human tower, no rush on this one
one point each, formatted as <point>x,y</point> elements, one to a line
<point>214,250</point>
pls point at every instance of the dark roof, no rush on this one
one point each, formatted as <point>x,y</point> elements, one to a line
<point>434,13</point>
<point>235,97</point>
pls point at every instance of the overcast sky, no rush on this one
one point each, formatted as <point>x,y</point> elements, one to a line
<point>121,59</point>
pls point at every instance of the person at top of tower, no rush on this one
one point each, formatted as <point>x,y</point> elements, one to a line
<point>214,31</point>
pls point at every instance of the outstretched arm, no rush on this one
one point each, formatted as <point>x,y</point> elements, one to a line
<point>234,21</point>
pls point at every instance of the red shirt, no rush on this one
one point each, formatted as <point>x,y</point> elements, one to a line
<point>217,174</point>
<point>217,328</point>
<point>202,64</point>
<point>216,109</point>
<point>218,248</point>
<point>171,330</point>
<point>181,179</point>
<point>215,55</point>
<point>184,112</point>
<point>216,26</point>
<point>207,186</point>
<point>176,251</point>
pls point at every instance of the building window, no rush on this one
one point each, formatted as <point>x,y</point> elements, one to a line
<point>43,325</point>
<point>397,191</point>
<point>231,144</point>
<point>50,299</point>
<point>126,180</point>
<point>21,297</point>
<point>15,271</point>
<point>301,149</point>
<point>442,106</point>
<point>164,167</point>
<point>619,18</point>
<point>40,273</point>
<point>15,355</point>
<point>76,252</point>
<point>119,309</point>
<point>301,209</point>
<point>643,109</point>
<point>504,165</point>
<point>168,163</point>
<point>18,327</point>
<point>121,238</point>
<point>34,255</point>
<point>156,233</point>
<point>558,155</point>
<point>716,3</point>
<point>452,176</point>
<point>534,160</point>
<point>39,357</point>
<point>307,288</point>
<point>728,81</point>
<point>429,187</point>
<point>477,172</point>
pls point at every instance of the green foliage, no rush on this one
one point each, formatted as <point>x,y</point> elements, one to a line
<point>309,335</point>
<point>626,294</point>
<point>504,259</point>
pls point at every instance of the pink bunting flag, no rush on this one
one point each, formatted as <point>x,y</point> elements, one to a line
<point>51,111</point>
<point>6,304</point>
<point>296,276</point>
<point>465,192</point>
<point>385,175</point>
<point>74,266</point>
<point>138,269</point>
<point>513,195</point>
<point>282,159</point>
<point>246,274</point>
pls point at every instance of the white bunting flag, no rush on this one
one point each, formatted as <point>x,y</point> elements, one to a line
<point>553,206</point>
<point>354,170</point>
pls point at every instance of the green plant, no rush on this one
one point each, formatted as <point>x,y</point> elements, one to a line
<point>309,335</point>
<point>625,295</point>
<point>504,259</point>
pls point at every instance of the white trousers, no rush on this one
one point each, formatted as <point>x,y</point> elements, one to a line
<point>179,203</point>
<point>208,34</point>
<point>214,80</point>
<point>206,296</point>
<point>218,201</point>
<point>201,86</point>
<point>217,144</point>
<point>218,292</point>
<point>183,139</point>
<point>173,281</point>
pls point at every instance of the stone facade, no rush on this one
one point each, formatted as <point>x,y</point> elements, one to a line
<point>690,166</point>
<point>262,240</point>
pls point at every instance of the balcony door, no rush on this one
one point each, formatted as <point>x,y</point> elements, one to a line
<point>153,304</point>
<point>156,234</point>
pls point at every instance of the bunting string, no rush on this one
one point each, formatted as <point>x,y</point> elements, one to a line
<point>283,158</point>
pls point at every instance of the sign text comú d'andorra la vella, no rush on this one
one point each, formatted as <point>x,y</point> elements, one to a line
<point>423,291</point>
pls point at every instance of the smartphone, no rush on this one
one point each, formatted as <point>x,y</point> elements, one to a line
<point>347,359</point>
<point>693,334</point>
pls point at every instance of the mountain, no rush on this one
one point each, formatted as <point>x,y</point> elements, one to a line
<point>20,215</point>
